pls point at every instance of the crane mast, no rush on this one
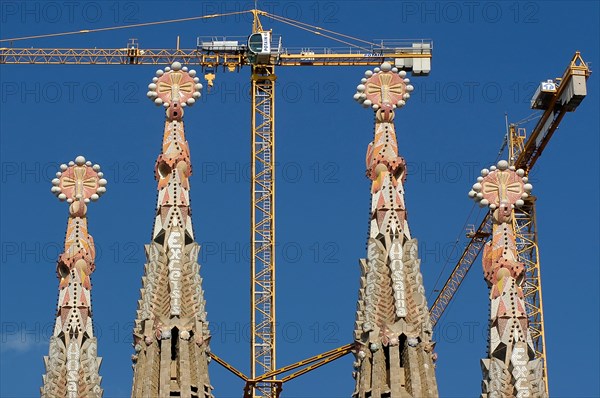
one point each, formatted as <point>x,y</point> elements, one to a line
<point>555,98</point>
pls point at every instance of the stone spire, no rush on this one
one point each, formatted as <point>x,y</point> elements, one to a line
<point>394,351</point>
<point>72,363</point>
<point>511,369</point>
<point>171,333</point>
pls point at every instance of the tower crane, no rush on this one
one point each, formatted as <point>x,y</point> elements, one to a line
<point>555,98</point>
<point>262,52</point>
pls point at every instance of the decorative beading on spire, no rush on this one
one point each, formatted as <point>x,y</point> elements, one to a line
<point>511,368</point>
<point>394,351</point>
<point>72,363</point>
<point>171,336</point>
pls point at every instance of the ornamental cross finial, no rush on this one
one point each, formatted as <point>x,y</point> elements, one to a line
<point>384,89</point>
<point>175,88</point>
<point>501,185</point>
<point>79,180</point>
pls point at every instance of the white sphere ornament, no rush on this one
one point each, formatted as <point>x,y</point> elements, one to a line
<point>80,160</point>
<point>176,65</point>
<point>528,187</point>
<point>158,102</point>
<point>472,193</point>
<point>386,67</point>
<point>402,73</point>
<point>62,196</point>
<point>192,73</point>
<point>503,165</point>
<point>519,202</point>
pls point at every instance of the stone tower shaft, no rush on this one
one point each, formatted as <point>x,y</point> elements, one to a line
<point>171,333</point>
<point>72,363</point>
<point>394,354</point>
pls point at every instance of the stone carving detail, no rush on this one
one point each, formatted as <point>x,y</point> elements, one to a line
<point>511,370</point>
<point>394,352</point>
<point>171,336</point>
<point>72,363</point>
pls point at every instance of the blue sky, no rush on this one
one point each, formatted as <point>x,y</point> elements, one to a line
<point>488,59</point>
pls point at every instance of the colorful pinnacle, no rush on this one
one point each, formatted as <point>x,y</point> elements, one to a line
<point>394,352</point>
<point>72,363</point>
<point>171,336</point>
<point>511,368</point>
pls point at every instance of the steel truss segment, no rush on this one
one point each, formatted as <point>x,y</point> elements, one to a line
<point>229,61</point>
<point>524,224</point>
<point>263,333</point>
<point>463,266</point>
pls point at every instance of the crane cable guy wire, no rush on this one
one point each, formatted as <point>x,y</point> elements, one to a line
<point>76,32</point>
<point>316,30</point>
<point>297,24</point>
